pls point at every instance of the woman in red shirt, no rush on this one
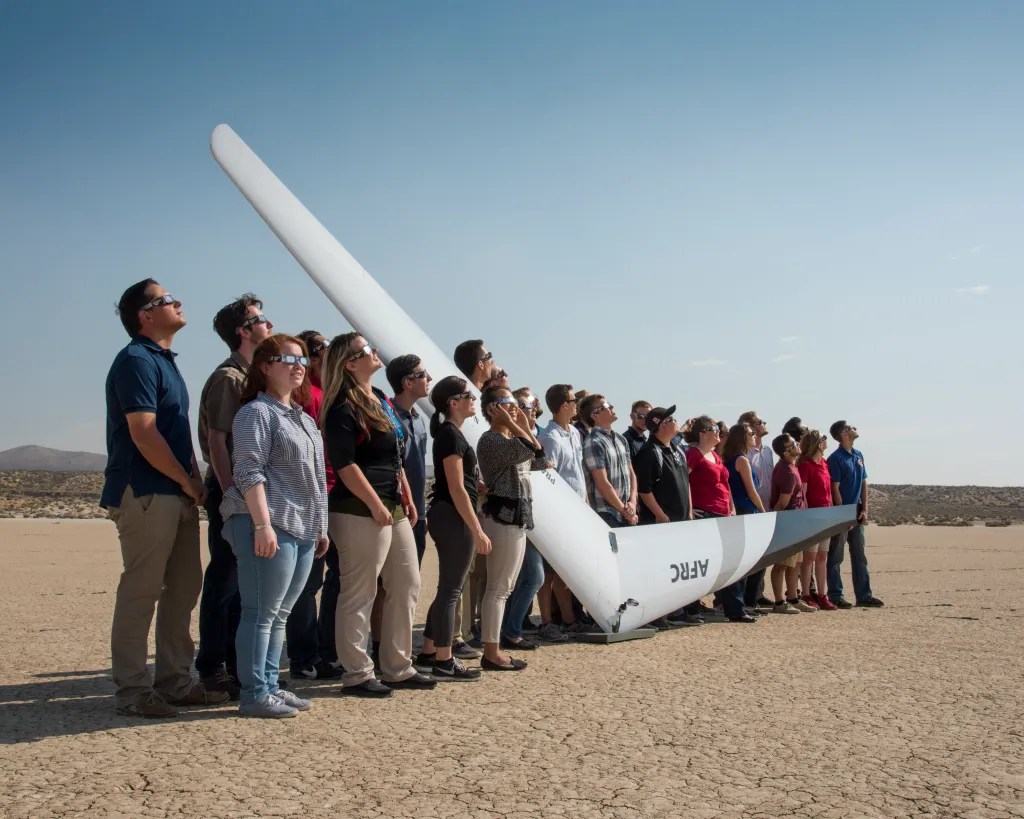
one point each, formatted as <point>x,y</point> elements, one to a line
<point>818,488</point>
<point>709,486</point>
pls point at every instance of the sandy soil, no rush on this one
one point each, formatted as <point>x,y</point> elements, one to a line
<point>913,710</point>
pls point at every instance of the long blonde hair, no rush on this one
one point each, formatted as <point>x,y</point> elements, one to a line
<point>339,385</point>
<point>809,445</point>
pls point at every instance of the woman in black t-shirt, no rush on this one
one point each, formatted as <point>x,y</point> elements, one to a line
<point>370,517</point>
<point>451,521</point>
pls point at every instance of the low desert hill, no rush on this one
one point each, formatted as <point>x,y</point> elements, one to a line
<point>51,460</point>
<point>51,494</point>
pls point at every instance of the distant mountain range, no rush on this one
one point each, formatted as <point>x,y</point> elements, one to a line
<point>44,459</point>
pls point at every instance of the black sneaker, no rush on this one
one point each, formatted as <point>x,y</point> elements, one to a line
<point>843,603</point>
<point>464,651</point>
<point>870,603</point>
<point>454,670</point>
<point>765,602</point>
<point>222,681</point>
<point>424,662</point>
<point>528,624</point>
<point>370,688</point>
<point>417,682</point>
<point>321,670</point>
<point>512,645</point>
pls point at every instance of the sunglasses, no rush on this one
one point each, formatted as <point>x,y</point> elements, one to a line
<point>420,374</point>
<point>506,401</point>
<point>365,351</point>
<point>486,357</point>
<point>602,408</point>
<point>709,429</point>
<point>528,405</point>
<point>258,319</point>
<point>462,396</point>
<point>318,346</point>
<point>159,301</point>
<point>290,360</point>
<point>640,415</point>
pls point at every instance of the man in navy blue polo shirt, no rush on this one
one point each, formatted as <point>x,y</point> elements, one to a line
<point>849,485</point>
<point>152,491</point>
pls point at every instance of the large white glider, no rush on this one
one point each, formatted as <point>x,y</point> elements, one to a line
<point>625,577</point>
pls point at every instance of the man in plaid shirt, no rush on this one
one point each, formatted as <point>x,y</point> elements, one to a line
<point>611,481</point>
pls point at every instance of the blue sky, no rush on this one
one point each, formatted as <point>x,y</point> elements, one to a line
<point>799,208</point>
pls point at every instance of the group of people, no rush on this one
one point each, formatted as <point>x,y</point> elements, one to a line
<point>317,485</point>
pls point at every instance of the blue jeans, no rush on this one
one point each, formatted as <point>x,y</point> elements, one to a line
<point>269,588</point>
<point>858,565</point>
<point>531,578</point>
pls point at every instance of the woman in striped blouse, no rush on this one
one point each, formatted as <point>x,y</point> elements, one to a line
<point>275,515</point>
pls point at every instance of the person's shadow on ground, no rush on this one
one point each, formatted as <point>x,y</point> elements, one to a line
<point>63,703</point>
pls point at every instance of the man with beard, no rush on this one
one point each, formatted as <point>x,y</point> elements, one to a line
<point>636,433</point>
<point>241,325</point>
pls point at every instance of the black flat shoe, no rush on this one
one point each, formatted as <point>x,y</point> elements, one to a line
<point>488,665</point>
<point>417,682</point>
<point>512,645</point>
<point>371,688</point>
<point>746,618</point>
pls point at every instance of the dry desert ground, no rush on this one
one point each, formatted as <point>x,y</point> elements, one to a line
<point>913,710</point>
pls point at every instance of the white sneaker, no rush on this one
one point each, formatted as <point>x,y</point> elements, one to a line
<point>268,706</point>
<point>289,699</point>
<point>802,606</point>
<point>785,608</point>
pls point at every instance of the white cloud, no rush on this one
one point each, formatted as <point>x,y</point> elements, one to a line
<point>789,339</point>
<point>780,358</point>
<point>977,290</point>
<point>709,362</point>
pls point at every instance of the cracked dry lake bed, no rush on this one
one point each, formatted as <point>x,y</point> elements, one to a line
<point>916,709</point>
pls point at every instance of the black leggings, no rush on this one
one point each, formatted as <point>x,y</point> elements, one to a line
<point>455,549</point>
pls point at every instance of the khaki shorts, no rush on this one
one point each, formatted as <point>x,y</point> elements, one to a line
<point>791,562</point>
<point>818,548</point>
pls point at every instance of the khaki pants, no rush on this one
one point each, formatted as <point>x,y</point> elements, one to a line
<point>366,551</point>
<point>159,537</point>
<point>508,545</point>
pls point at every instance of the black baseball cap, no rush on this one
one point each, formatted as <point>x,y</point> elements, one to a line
<point>657,415</point>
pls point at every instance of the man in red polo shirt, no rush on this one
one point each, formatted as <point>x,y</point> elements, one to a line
<point>787,492</point>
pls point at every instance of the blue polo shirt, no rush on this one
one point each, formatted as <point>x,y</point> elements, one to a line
<point>144,378</point>
<point>848,470</point>
<point>415,455</point>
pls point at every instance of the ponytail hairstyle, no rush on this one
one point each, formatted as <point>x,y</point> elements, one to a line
<point>340,386</point>
<point>809,445</point>
<point>444,391</point>
<point>256,378</point>
<point>692,435</point>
